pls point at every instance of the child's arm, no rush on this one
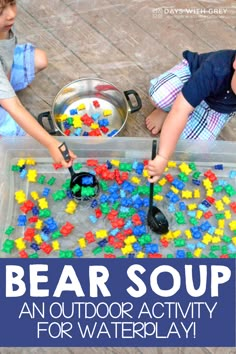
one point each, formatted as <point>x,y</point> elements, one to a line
<point>171,130</point>
<point>22,117</point>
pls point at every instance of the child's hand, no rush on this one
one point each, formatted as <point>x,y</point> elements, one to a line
<point>156,168</point>
<point>57,155</point>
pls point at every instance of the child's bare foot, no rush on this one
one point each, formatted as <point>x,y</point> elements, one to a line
<point>155,121</point>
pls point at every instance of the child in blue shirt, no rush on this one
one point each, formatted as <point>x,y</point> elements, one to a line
<point>18,66</point>
<point>193,100</point>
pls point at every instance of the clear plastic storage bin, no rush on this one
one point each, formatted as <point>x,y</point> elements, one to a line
<point>204,155</point>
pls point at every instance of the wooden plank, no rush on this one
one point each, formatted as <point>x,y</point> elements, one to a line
<point>209,27</point>
<point>122,42</point>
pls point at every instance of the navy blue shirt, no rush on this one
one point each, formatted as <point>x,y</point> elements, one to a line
<point>211,80</point>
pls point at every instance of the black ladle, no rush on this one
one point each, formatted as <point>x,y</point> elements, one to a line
<point>83,185</point>
<point>156,219</point>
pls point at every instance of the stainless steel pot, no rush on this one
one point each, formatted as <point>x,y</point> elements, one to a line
<point>92,96</point>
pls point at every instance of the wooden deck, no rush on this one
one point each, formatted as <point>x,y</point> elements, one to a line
<point>126,42</point>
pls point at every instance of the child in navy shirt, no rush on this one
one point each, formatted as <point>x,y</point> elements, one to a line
<point>193,100</point>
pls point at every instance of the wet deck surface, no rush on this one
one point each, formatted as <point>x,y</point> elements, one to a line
<point>126,43</point>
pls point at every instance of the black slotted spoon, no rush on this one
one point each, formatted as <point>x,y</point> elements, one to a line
<point>155,218</point>
<point>80,180</point>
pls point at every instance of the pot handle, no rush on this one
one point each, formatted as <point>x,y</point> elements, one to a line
<point>47,115</point>
<point>138,99</point>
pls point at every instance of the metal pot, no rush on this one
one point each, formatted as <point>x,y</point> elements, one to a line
<point>99,99</point>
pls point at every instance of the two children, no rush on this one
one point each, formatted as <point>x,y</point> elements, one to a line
<point>193,100</point>
<point>18,66</point>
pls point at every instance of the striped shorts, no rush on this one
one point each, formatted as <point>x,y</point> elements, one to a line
<point>203,123</point>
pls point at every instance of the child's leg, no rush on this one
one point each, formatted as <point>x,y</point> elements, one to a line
<point>27,62</point>
<point>23,68</point>
<point>155,120</point>
<point>204,123</point>
<point>40,60</point>
<point>163,92</point>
